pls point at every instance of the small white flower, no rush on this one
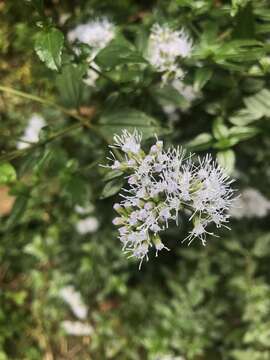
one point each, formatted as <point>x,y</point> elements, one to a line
<point>87,225</point>
<point>77,328</point>
<point>74,300</point>
<point>31,133</point>
<point>128,142</point>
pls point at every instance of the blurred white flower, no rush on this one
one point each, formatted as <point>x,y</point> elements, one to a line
<point>77,328</point>
<point>161,184</point>
<point>187,91</point>
<point>83,210</point>
<point>165,48</point>
<point>35,124</point>
<point>74,300</point>
<point>87,225</point>
<point>96,33</point>
<point>251,204</point>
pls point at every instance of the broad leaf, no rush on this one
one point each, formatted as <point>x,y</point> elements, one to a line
<point>70,84</point>
<point>130,119</point>
<point>48,46</point>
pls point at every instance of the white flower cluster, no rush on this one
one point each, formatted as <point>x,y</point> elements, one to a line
<point>97,34</point>
<point>74,300</point>
<point>35,124</point>
<point>165,47</point>
<point>161,184</point>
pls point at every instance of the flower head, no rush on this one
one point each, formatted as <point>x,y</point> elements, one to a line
<point>96,33</point>
<point>31,133</point>
<point>160,185</point>
<point>166,47</point>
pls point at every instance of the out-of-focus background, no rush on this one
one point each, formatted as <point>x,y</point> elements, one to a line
<point>67,291</point>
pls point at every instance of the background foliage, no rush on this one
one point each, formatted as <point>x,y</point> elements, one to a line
<point>197,303</point>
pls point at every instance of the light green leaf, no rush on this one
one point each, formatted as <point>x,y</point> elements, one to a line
<point>7,173</point>
<point>201,142</point>
<point>220,131</point>
<point>226,160</point>
<point>48,46</point>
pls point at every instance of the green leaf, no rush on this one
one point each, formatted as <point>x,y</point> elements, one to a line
<point>167,94</point>
<point>75,189</point>
<point>240,133</point>
<point>70,85</point>
<point>119,51</point>
<point>48,46</point>
<point>7,173</point>
<point>244,117</point>
<point>112,188</point>
<point>226,160</point>
<point>202,76</point>
<point>39,5</point>
<point>201,142</point>
<point>220,131</point>
<point>112,174</point>
<point>114,122</point>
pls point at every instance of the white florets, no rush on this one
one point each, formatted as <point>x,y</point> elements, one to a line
<point>96,33</point>
<point>165,48</point>
<point>161,184</point>
<point>31,133</point>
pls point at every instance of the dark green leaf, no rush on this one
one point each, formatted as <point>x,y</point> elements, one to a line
<point>130,119</point>
<point>111,188</point>
<point>202,76</point>
<point>48,46</point>
<point>119,51</point>
<point>70,85</point>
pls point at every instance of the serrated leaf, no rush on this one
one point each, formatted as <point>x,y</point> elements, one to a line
<point>226,160</point>
<point>70,84</point>
<point>48,46</point>
<point>7,173</point>
<point>130,119</point>
<point>112,188</point>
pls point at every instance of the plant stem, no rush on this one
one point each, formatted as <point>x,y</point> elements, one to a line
<point>17,153</point>
<point>41,100</point>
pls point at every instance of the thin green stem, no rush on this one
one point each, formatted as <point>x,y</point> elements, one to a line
<point>41,100</point>
<point>17,153</point>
